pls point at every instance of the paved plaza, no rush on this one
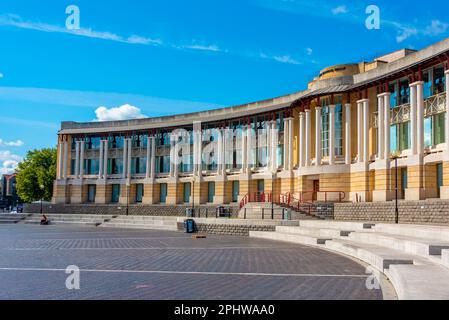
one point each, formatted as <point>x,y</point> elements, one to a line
<point>134,264</point>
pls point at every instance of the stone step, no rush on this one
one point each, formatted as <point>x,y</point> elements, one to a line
<point>74,223</point>
<point>379,257</point>
<point>138,226</point>
<point>314,232</point>
<point>420,282</point>
<point>150,222</point>
<point>413,245</point>
<point>288,237</point>
<point>340,225</point>
<point>440,233</point>
<point>445,257</point>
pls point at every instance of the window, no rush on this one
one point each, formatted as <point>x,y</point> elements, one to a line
<point>339,129</point>
<point>163,193</point>
<point>434,130</point>
<point>187,192</point>
<point>115,166</point>
<point>91,166</point>
<point>235,191</point>
<point>115,193</point>
<point>91,192</point>
<point>325,131</point>
<point>72,167</point>
<point>186,163</point>
<point>116,142</point>
<point>140,141</point>
<point>439,80</point>
<point>394,95</point>
<point>163,139</point>
<point>163,164</point>
<point>139,193</point>
<point>92,143</point>
<point>404,92</point>
<point>427,78</point>
<point>138,165</point>
<point>400,136</point>
<point>210,192</point>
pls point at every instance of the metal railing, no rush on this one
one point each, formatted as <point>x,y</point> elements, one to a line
<point>435,104</point>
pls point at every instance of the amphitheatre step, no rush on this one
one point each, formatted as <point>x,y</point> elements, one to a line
<point>138,226</point>
<point>421,231</point>
<point>379,257</point>
<point>445,258</point>
<point>314,232</point>
<point>341,225</point>
<point>74,223</point>
<point>288,237</point>
<point>414,245</point>
<point>420,282</point>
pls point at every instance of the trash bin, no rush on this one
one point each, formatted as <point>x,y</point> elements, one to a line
<point>287,214</point>
<point>189,226</point>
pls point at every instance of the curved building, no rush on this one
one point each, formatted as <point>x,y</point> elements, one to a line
<point>335,141</point>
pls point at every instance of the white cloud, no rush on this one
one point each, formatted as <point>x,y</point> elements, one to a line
<point>436,27</point>
<point>9,162</point>
<point>213,48</point>
<point>17,143</point>
<point>339,10</point>
<point>1,75</point>
<point>124,112</point>
<point>16,21</point>
<point>404,33</point>
<point>286,59</point>
<point>309,51</point>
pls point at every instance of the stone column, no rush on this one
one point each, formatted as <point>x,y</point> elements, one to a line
<point>244,150</point>
<point>447,111</point>
<point>172,155</point>
<point>318,136</point>
<point>223,154</point>
<point>60,160</point>
<point>175,156</point>
<point>148,162</point>
<point>249,146</point>
<point>308,144</point>
<point>387,124</point>
<point>125,158</point>
<point>153,158</point>
<point>268,144</point>
<point>348,134</point>
<point>100,160</point>
<point>65,161</point>
<point>77,159</point>
<point>301,140</point>
<point>359,131</point>
<point>380,127</point>
<point>274,145</point>
<point>420,118</point>
<point>413,118</point>
<point>290,144</point>
<point>82,147</point>
<point>366,130</point>
<point>105,159</point>
<point>130,144</point>
<point>286,125</point>
<point>331,134</point>
<point>219,151</point>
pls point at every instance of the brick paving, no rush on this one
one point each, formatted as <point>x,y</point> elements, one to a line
<point>133,264</point>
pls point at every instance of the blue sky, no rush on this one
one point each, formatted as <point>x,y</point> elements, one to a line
<point>150,58</point>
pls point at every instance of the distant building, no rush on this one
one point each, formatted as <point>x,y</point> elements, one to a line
<point>8,191</point>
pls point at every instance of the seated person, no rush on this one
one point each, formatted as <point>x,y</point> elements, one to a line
<point>44,220</point>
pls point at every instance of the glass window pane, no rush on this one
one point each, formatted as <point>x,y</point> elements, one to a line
<point>393,138</point>
<point>428,132</point>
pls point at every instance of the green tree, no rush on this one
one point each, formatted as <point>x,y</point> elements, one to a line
<point>36,175</point>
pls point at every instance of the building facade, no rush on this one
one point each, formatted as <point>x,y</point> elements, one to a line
<point>334,141</point>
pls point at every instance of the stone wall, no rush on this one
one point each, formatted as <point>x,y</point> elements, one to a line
<point>229,229</point>
<point>416,212</point>
<point>143,210</point>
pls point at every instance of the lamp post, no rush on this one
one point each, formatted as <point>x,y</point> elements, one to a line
<point>193,197</point>
<point>395,157</point>
<point>42,189</point>
<point>128,185</point>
